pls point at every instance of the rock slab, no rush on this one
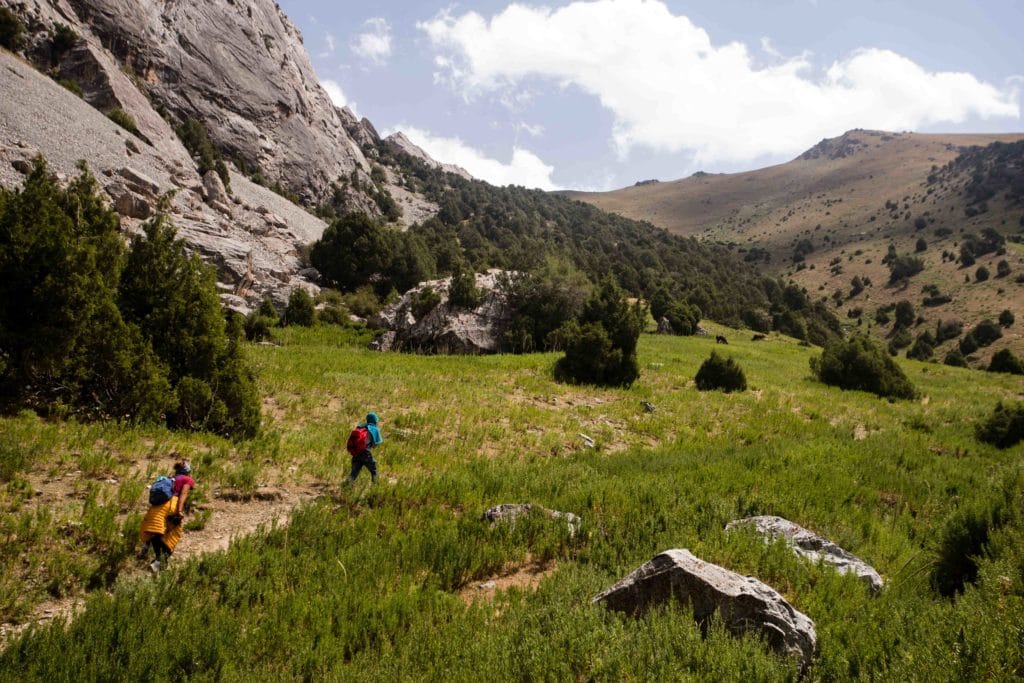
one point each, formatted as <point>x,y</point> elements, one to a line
<point>745,604</point>
<point>808,544</point>
<point>509,512</point>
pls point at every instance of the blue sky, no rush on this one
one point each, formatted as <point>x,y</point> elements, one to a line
<point>601,94</point>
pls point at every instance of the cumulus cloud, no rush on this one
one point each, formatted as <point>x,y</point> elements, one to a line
<point>374,44</point>
<point>337,95</point>
<point>671,89</point>
<point>525,168</point>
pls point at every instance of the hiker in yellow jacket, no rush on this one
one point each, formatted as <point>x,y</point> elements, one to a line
<point>164,524</point>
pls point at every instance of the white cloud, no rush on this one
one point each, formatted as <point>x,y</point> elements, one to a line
<point>337,96</point>
<point>329,39</point>
<point>670,89</point>
<point>525,168</point>
<point>374,44</point>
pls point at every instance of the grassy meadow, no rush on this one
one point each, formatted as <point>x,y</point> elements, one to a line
<point>382,582</point>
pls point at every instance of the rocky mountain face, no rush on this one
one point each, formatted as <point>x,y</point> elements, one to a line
<point>238,69</point>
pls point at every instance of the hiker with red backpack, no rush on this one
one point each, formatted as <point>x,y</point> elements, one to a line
<point>361,442</point>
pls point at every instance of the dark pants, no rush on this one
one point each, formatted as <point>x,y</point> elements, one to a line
<point>160,549</point>
<point>365,459</point>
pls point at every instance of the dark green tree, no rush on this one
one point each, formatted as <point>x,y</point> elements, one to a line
<point>12,31</point>
<point>64,344</point>
<point>720,373</point>
<point>172,296</point>
<point>301,310</point>
<point>601,347</point>
<point>351,251</point>
<point>462,291</point>
<point>1004,361</point>
<point>542,301</point>
<point>1006,318</point>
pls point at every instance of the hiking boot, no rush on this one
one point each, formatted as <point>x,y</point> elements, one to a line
<point>154,566</point>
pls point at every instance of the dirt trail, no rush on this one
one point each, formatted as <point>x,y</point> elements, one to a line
<point>231,517</point>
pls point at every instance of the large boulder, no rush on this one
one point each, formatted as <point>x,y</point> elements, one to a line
<point>745,604</point>
<point>445,328</point>
<point>808,544</point>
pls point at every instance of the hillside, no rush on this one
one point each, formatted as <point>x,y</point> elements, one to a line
<point>848,199</point>
<point>404,580</point>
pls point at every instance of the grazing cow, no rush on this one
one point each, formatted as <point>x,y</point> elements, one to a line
<point>757,337</point>
<point>719,339</point>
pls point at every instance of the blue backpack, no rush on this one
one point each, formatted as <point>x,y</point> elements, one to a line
<point>160,491</point>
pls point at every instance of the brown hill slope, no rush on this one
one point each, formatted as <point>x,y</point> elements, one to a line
<point>840,205</point>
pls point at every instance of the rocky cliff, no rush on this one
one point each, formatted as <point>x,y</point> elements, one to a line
<point>239,69</point>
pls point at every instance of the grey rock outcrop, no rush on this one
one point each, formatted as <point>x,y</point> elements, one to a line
<point>665,327</point>
<point>446,328</point>
<point>510,512</point>
<point>808,544</point>
<point>745,604</point>
<point>400,143</point>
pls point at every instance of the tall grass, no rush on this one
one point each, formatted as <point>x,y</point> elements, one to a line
<point>365,583</point>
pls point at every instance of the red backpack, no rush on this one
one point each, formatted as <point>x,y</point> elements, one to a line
<point>358,440</point>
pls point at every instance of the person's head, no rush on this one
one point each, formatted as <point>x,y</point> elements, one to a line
<point>371,418</point>
<point>183,467</point>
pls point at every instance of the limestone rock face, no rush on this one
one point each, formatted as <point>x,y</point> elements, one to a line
<point>242,70</point>
<point>744,603</point>
<point>401,143</point>
<point>446,328</point>
<point>808,544</point>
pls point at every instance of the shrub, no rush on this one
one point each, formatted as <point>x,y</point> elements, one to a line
<point>123,119</point>
<point>1002,268</point>
<point>986,332</point>
<point>859,364</point>
<point>683,318</point>
<point>947,329</point>
<point>981,274</point>
<point>923,348</point>
<point>601,347</point>
<point>301,310</point>
<point>424,301</point>
<point>920,245</point>
<point>12,31</point>
<point>194,137</point>
<point>905,315</point>
<point>903,267</point>
<point>259,327</point>
<point>1004,427</point>
<point>963,540</point>
<point>542,300</point>
<point>362,302</point>
<point>462,291</point>
<point>1006,318</point>
<point>1005,361</point>
<point>72,87</point>
<point>63,39</point>
<point>720,373</point>
<point>955,359</point>
<point>901,339</point>
<point>968,344</point>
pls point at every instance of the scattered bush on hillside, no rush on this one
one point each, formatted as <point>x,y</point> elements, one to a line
<point>720,373</point>
<point>968,344</point>
<point>963,541</point>
<point>858,364</point>
<point>172,296</point>
<point>981,274</point>
<point>901,339</point>
<point>62,39</point>
<point>196,140</point>
<point>66,348</point>
<point>856,286</point>
<point>947,329</point>
<point>904,314</point>
<point>986,333</point>
<point>71,86</point>
<point>12,31</point>
<point>904,267</point>
<point>758,320</point>
<point>683,318</point>
<point>301,310</point>
<point>920,245</point>
<point>1006,318</point>
<point>882,314</point>
<point>600,348</point>
<point>260,322</point>
<point>1004,427</point>
<point>1002,268</point>
<point>125,120</point>
<point>955,359</point>
<point>923,348</point>
<point>1005,361</point>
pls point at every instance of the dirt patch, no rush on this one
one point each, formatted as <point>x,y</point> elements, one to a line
<point>524,577</point>
<point>860,433</point>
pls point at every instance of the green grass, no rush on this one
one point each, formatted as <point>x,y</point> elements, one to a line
<point>363,584</point>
